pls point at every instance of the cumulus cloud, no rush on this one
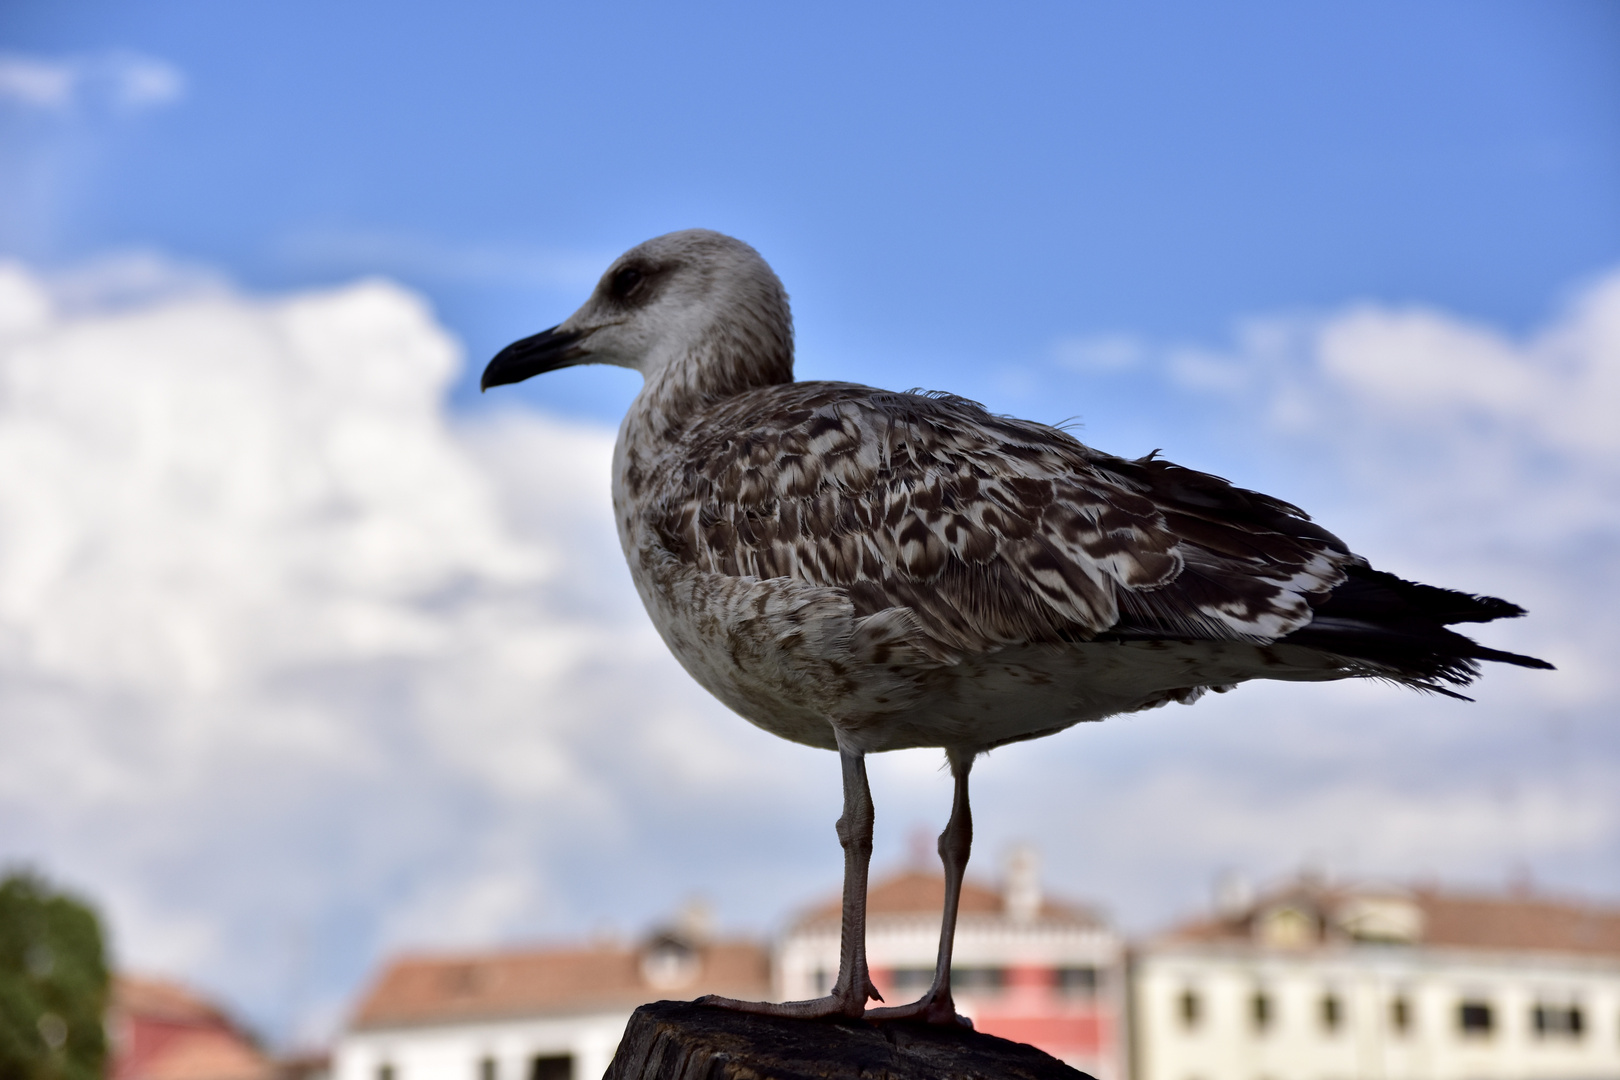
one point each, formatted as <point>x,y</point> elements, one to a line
<point>39,83</point>
<point>1448,451</point>
<point>24,302</point>
<point>1466,453</point>
<point>132,278</point>
<point>278,636</point>
<point>119,79</point>
<point>1101,354</point>
<point>297,667</point>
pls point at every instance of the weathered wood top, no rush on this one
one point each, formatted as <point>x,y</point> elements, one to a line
<point>679,1040</point>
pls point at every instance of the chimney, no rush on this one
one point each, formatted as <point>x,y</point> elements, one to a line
<point>1021,897</point>
<point>695,921</point>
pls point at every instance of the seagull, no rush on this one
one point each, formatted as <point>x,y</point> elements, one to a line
<point>865,570</point>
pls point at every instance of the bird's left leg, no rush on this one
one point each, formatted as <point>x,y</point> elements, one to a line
<point>854,985</point>
<point>955,843</point>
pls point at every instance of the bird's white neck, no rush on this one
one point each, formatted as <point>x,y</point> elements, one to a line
<point>726,360</point>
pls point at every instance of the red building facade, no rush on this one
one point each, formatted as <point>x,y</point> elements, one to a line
<point>1026,967</point>
<point>162,1031</point>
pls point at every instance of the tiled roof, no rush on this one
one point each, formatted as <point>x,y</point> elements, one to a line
<point>440,989</point>
<point>167,1032</point>
<point>1450,919</point>
<point>158,999</point>
<point>1518,923</point>
<point>919,892</point>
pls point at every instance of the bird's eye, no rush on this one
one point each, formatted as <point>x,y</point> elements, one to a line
<point>625,282</point>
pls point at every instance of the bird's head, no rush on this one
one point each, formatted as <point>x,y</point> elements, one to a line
<point>696,304</point>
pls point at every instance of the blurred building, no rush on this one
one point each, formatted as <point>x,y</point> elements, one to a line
<point>541,1014</point>
<point>1028,968</point>
<point>1025,967</point>
<point>1306,982</point>
<point>163,1031</point>
<point>1313,981</point>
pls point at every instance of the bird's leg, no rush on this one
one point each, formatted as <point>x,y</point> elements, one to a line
<point>937,1006</point>
<point>854,985</point>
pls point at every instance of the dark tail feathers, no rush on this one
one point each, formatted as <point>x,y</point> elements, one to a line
<point>1400,627</point>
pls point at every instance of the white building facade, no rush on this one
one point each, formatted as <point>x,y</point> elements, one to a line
<point>1322,984</point>
<point>561,1046</point>
<point>542,1014</point>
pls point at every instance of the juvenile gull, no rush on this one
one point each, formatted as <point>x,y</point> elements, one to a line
<point>863,570</point>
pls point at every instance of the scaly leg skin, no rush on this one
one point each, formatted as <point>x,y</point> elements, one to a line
<point>854,985</point>
<point>937,1006</point>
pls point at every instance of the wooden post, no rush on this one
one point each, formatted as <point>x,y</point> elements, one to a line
<point>679,1040</point>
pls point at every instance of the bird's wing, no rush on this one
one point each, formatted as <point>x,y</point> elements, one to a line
<point>992,531</point>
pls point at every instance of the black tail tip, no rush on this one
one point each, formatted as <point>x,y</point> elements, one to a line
<point>1516,659</point>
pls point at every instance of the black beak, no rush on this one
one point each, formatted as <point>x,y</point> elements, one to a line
<point>545,351</point>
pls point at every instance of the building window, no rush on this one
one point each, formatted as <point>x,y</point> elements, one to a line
<point>1400,1015</point>
<point>487,1069</point>
<point>1558,1021</point>
<point>552,1067</point>
<point>1078,981</point>
<point>1475,1018</point>
<point>1288,927</point>
<point>1332,1013</point>
<point>386,1071</point>
<point>1260,1010</point>
<point>978,980</point>
<point>1190,1008</point>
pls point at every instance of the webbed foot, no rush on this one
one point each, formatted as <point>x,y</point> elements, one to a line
<point>834,1004</point>
<point>931,1008</point>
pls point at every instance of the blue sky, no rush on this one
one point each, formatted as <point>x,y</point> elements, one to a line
<point>942,192</point>
<point>317,654</point>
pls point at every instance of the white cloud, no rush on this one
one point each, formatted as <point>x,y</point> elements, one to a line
<point>1448,451</point>
<point>1104,353</point>
<point>283,447</point>
<point>131,278</point>
<point>25,304</point>
<point>1557,388</point>
<point>120,79</point>
<point>279,636</point>
<point>144,82</point>
<point>40,83</point>
<point>1367,827</point>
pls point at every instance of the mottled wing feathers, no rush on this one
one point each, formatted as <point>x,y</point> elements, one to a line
<point>992,531</point>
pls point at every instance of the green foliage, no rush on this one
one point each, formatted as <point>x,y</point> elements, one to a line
<point>53,984</point>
